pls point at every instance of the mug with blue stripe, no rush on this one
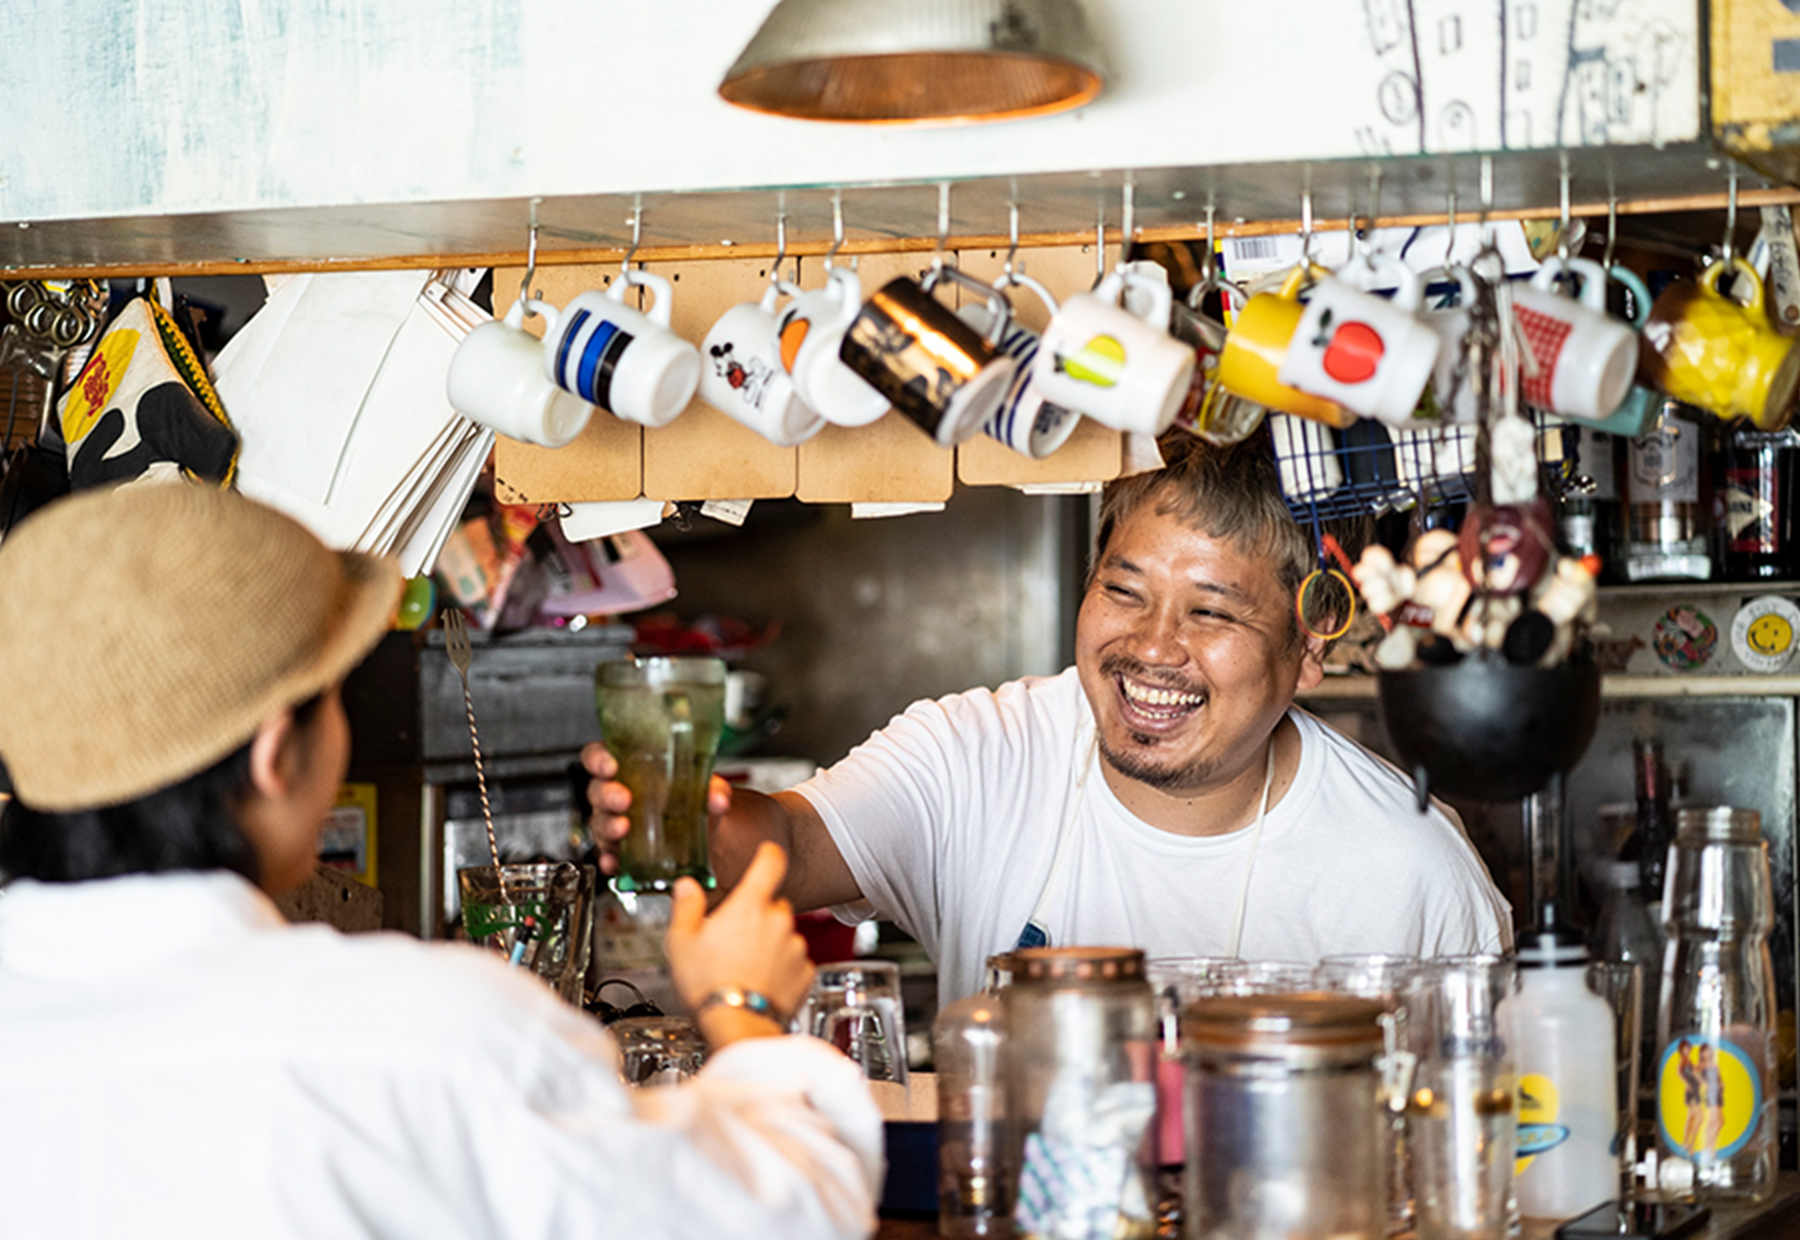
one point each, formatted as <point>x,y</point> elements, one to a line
<point>625,360</point>
<point>1024,421</point>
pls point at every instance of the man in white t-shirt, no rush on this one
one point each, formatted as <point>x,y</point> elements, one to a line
<point>1163,793</point>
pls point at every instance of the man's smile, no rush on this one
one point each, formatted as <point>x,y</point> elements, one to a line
<point>1147,704</point>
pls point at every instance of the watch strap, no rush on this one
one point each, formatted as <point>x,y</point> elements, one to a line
<point>753,1001</point>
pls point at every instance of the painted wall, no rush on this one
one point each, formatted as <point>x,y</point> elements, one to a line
<point>172,106</point>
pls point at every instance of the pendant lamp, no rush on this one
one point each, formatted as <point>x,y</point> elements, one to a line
<point>917,61</point>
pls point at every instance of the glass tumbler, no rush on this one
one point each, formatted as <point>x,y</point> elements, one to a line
<point>1462,1115</point>
<point>855,1005</point>
<point>539,916</point>
<point>662,719</point>
<point>1383,978</point>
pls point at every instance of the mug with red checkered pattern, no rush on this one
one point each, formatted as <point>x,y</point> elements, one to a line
<point>1575,359</point>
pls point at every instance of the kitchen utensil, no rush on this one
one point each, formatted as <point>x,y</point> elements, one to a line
<point>1488,730</point>
<point>456,645</point>
<point>539,916</point>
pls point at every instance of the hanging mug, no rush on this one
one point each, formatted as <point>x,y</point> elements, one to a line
<point>1257,345</point>
<point>1122,369</point>
<point>1368,353</point>
<point>932,366</point>
<point>1725,356</point>
<point>743,378</point>
<point>1639,408</point>
<point>1024,421</point>
<point>1581,358</point>
<point>625,360</point>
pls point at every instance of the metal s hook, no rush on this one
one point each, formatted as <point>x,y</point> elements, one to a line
<point>1450,224</point>
<point>1208,262</point>
<point>1731,208</point>
<point>1012,239</point>
<point>1128,218</point>
<point>943,226</point>
<point>1487,193</point>
<point>1100,241</point>
<point>1563,221</point>
<point>837,228</point>
<point>1366,241</point>
<point>780,246</point>
<point>531,247</point>
<point>1612,230</point>
<point>1306,228</point>
<point>637,233</point>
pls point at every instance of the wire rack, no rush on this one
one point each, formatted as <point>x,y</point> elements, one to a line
<point>1368,469</point>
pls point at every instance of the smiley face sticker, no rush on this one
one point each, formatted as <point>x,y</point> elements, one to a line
<point>1764,633</point>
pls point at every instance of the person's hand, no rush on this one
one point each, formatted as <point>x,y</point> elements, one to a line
<point>748,942</point>
<point>609,801</point>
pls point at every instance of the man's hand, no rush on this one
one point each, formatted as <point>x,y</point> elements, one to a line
<point>748,942</point>
<point>609,801</point>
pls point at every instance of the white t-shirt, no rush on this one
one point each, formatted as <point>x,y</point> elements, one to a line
<point>949,817</point>
<point>176,1061</point>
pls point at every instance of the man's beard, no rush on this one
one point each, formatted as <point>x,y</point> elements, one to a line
<point>1165,777</point>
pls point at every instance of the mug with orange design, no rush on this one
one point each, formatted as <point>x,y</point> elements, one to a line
<point>1257,345</point>
<point>1725,356</point>
<point>809,332</point>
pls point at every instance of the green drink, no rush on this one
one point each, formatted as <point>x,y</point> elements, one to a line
<point>661,718</point>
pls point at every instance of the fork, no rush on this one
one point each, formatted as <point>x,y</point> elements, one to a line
<point>456,645</point>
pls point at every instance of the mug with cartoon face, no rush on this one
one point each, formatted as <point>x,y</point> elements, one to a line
<point>741,374</point>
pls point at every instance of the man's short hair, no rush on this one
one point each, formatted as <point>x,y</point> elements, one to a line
<point>1231,493</point>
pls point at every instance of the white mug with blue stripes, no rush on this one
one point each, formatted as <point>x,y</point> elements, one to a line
<point>1025,421</point>
<point>625,360</point>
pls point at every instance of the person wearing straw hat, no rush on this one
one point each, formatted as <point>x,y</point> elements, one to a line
<point>177,1060</point>
<point>1163,792</point>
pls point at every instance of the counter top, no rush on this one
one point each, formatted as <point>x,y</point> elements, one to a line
<point>1776,1219</point>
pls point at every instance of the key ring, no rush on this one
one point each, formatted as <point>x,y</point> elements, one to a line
<point>1329,548</point>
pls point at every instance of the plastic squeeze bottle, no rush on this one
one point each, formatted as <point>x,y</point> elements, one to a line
<point>1564,1048</point>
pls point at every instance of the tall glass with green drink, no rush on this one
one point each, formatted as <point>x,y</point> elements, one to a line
<point>661,718</point>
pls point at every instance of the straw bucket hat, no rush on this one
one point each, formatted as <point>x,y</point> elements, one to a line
<point>146,631</point>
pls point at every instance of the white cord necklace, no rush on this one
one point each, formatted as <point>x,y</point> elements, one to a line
<point>1262,813</point>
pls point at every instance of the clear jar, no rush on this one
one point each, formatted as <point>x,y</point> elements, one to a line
<point>1286,1126</point>
<point>1715,1075</point>
<point>1081,1093</point>
<point>968,1048</point>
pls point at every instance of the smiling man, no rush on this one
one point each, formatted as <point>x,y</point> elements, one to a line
<point>1163,793</point>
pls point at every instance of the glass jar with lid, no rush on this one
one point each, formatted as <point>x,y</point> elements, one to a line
<point>1286,1123</point>
<point>1081,1093</point>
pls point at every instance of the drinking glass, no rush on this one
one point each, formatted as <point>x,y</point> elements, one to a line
<point>1621,984</point>
<point>1383,977</point>
<point>539,916</point>
<point>1263,977</point>
<point>1461,1116</point>
<point>662,719</point>
<point>658,1050</point>
<point>855,1006</point>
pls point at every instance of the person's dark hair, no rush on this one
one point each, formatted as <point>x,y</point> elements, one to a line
<point>190,825</point>
<point>1232,493</point>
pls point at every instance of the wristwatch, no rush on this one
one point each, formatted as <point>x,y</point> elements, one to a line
<point>737,997</point>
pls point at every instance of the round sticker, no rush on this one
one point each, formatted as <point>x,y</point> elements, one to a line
<point>1763,633</point>
<point>1708,1098</point>
<point>1684,638</point>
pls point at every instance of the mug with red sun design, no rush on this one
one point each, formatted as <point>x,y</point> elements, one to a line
<point>1370,354</point>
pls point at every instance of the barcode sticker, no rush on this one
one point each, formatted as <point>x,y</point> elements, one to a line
<point>1254,249</point>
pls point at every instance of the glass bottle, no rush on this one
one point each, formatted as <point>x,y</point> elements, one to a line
<point>1666,518</point>
<point>1649,842</point>
<point>969,1046</point>
<point>1715,1074</point>
<point>1753,504</point>
<point>1081,1093</point>
<point>1587,521</point>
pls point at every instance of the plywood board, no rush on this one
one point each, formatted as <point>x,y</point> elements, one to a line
<point>888,461</point>
<point>1093,452</point>
<point>606,461</point>
<point>703,454</point>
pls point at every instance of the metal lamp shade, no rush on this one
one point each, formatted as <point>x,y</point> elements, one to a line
<point>916,61</point>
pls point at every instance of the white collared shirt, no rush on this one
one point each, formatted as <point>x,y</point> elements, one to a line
<point>177,1061</point>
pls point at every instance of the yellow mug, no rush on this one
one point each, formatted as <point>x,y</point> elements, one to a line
<point>1725,356</point>
<point>1258,342</point>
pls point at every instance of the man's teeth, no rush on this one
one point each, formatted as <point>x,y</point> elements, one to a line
<point>1146,696</point>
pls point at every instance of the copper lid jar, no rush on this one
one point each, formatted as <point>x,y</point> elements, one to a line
<point>1286,1133</point>
<point>1081,1093</point>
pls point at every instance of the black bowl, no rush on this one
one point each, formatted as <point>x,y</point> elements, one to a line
<point>1488,730</point>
